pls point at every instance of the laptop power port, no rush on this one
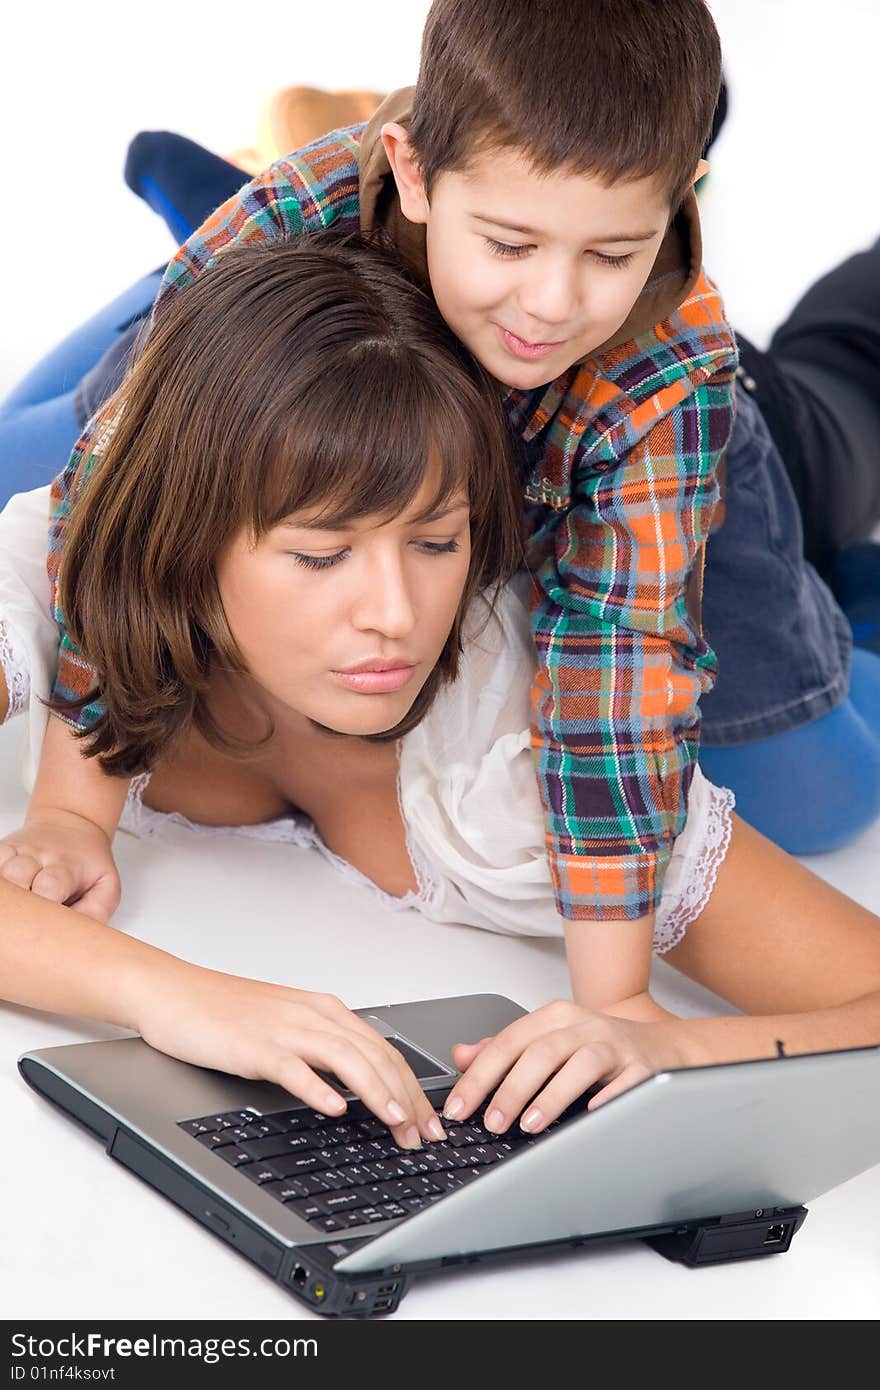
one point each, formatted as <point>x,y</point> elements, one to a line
<point>775,1234</point>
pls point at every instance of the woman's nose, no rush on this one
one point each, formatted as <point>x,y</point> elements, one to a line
<point>384,603</point>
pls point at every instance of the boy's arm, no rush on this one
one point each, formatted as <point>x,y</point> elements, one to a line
<point>622,658</point>
<point>609,965</point>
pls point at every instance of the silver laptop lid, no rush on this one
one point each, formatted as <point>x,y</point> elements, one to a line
<point>701,1142</point>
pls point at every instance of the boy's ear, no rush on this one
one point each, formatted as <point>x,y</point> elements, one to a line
<point>406,171</point>
<point>701,169</point>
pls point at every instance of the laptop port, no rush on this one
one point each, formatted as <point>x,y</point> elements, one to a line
<point>382,1305</point>
<point>775,1234</point>
<point>387,1288</point>
<point>299,1276</point>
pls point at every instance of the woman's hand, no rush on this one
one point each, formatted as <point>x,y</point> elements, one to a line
<point>552,1056</point>
<point>268,1032</point>
<point>66,858</point>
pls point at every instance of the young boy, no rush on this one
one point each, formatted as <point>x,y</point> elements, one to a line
<point>540,180</point>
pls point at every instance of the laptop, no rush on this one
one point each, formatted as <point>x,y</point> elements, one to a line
<point>706,1164</point>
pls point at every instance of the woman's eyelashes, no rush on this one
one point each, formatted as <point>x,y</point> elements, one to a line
<point>502,248</point>
<point>323,562</point>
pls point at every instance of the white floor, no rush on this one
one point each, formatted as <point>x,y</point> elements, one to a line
<point>792,190</point>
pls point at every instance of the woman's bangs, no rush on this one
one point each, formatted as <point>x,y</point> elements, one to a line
<point>356,448</point>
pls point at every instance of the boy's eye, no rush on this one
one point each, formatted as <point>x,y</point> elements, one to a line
<point>501,248</point>
<point>619,261</point>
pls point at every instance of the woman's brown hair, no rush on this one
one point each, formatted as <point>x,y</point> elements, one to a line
<point>311,373</point>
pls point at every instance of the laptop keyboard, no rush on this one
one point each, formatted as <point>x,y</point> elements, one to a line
<point>340,1174</point>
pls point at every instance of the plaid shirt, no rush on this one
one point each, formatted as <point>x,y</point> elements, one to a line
<point>620,457</point>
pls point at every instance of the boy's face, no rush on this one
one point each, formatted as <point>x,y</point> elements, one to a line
<point>533,272</point>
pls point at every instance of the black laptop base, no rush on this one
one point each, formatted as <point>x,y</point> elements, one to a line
<point>308,1272</point>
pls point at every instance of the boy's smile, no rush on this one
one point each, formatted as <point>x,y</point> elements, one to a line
<point>531,271</point>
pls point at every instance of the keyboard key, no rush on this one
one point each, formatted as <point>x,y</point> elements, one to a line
<point>349,1218</point>
<point>308,1209</point>
<point>294,1120</point>
<point>289,1189</point>
<point>276,1144</point>
<point>386,1169</point>
<point>197,1127</point>
<point>341,1134</point>
<point>394,1209</point>
<point>372,1214</point>
<point>332,1179</point>
<point>258,1172</point>
<point>355,1175</point>
<point>290,1165</point>
<point>396,1191</point>
<point>214,1140</point>
<point>372,1129</point>
<point>458,1136</point>
<point>329,1224</point>
<point>241,1133</point>
<point>338,1201</point>
<point>230,1153</point>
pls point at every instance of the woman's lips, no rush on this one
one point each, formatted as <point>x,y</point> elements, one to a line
<point>376,682</point>
<point>529,352</point>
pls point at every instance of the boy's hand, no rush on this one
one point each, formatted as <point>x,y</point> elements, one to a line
<point>573,1047</point>
<point>66,858</point>
<point>271,1033</point>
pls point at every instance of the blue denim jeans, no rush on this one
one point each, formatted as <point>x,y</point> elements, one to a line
<point>782,642</point>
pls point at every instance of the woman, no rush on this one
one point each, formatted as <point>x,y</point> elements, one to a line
<point>292,570</point>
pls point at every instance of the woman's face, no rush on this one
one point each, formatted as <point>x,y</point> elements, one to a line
<point>344,625</point>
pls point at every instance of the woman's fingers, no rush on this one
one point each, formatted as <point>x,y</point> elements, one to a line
<point>20,869</point>
<point>585,1065</point>
<point>291,1072</point>
<point>496,1056</point>
<point>630,1076</point>
<point>55,883</point>
<point>402,1081</point>
<point>572,1070</point>
<point>364,1066</point>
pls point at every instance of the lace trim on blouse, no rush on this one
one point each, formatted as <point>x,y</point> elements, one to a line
<point>295,829</point>
<point>15,673</point>
<point>701,875</point>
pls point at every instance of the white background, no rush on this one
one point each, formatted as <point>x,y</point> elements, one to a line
<point>793,189</point>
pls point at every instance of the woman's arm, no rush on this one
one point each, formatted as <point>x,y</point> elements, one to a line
<point>63,850</point>
<point>56,959</point>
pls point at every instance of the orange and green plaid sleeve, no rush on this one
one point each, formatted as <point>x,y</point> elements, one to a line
<point>622,662</point>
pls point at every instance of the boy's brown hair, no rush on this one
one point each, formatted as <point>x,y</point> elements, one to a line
<point>619,89</point>
<point>311,373</point>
